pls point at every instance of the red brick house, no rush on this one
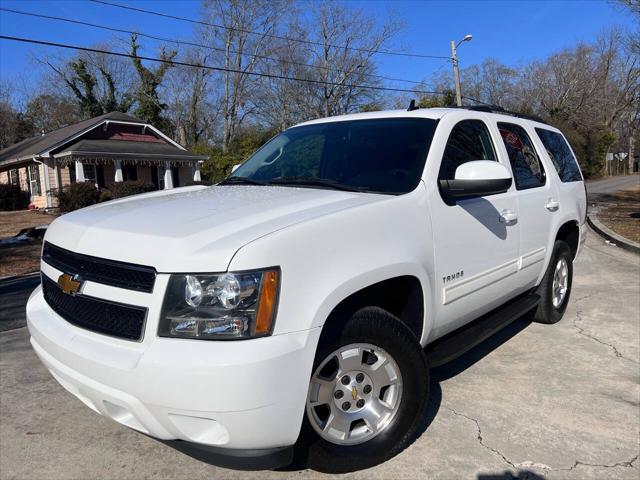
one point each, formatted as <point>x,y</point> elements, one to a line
<point>105,149</point>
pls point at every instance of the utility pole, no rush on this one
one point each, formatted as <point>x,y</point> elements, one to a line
<point>454,61</point>
<point>456,74</point>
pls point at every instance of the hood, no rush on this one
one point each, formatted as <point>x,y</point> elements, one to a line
<point>195,229</point>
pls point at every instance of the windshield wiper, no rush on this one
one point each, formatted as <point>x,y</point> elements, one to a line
<point>241,181</point>
<point>313,182</point>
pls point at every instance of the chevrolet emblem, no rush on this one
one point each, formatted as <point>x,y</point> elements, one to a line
<point>354,393</point>
<point>69,285</point>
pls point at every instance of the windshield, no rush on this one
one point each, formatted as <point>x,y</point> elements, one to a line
<point>380,155</point>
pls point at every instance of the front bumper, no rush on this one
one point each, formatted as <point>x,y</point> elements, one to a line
<point>237,395</point>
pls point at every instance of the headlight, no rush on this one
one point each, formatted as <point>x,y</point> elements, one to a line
<point>225,306</point>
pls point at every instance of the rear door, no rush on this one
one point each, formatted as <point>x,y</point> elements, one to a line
<point>537,200</point>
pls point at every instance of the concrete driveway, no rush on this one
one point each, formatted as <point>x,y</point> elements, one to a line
<point>535,401</point>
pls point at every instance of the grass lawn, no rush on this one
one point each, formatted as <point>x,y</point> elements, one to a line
<point>21,258</point>
<point>622,214</point>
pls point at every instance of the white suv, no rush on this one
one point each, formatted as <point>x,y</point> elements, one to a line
<point>301,302</point>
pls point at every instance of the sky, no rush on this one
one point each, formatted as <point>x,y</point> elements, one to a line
<point>514,32</point>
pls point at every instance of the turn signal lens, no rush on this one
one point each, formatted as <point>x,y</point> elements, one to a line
<point>267,302</point>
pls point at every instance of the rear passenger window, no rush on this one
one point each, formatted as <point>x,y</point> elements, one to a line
<point>525,163</point>
<point>469,141</point>
<point>560,154</point>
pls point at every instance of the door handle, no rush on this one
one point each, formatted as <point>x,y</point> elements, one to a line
<point>552,205</point>
<point>508,216</point>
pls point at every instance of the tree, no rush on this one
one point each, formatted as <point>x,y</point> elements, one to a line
<point>345,42</point>
<point>14,126</point>
<point>47,112</point>
<point>99,83</point>
<point>149,108</point>
<point>241,52</point>
<point>192,108</point>
<point>220,162</point>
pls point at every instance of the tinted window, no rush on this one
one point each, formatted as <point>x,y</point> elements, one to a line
<point>380,155</point>
<point>560,154</point>
<point>469,141</point>
<point>525,163</point>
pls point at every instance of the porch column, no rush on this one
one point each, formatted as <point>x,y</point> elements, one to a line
<point>118,176</point>
<point>196,172</point>
<point>168,178</point>
<point>47,186</point>
<point>79,171</point>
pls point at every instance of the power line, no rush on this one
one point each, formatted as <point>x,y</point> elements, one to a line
<point>263,34</point>
<point>186,42</point>
<point>219,69</point>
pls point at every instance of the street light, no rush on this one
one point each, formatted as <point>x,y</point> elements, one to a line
<point>454,61</point>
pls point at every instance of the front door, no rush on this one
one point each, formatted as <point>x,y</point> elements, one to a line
<point>475,239</point>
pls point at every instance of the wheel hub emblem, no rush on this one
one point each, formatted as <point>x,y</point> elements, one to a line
<point>354,393</point>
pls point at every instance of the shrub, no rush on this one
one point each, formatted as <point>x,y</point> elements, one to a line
<point>12,198</point>
<point>76,195</point>
<point>105,195</point>
<point>130,187</point>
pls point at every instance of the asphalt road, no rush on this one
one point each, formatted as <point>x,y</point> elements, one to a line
<point>602,188</point>
<point>538,401</point>
<point>14,293</point>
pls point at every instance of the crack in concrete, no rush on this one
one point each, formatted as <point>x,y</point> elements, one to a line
<point>581,331</point>
<point>480,438</point>
<point>577,463</point>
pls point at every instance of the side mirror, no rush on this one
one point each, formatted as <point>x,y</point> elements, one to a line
<point>477,179</point>
<point>235,167</point>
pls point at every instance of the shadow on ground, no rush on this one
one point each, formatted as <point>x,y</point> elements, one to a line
<point>14,293</point>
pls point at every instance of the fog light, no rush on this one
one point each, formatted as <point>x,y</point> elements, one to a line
<point>225,326</point>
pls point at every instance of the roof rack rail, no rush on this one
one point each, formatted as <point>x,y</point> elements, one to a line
<point>498,109</point>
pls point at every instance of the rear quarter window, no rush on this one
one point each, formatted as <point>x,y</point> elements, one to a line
<point>561,156</point>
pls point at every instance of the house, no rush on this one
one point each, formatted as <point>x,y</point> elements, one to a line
<point>110,148</point>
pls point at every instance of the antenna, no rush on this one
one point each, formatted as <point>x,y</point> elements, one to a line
<point>412,106</point>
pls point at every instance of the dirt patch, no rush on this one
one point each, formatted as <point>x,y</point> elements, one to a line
<point>621,213</point>
<point>17,259</point>
<point>20,259</point>
<point>12,222</point>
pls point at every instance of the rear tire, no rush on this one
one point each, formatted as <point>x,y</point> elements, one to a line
<point>555,288</point>
<point>369,438</point>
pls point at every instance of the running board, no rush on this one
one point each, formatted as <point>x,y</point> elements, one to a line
<point>460,341</point>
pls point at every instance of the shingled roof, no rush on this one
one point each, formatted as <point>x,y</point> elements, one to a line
<point>37,146</point>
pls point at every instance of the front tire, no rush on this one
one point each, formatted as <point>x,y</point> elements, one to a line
<point>366,396</point>
<point>555,288</point>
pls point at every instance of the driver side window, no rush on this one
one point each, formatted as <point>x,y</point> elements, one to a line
<point>469,141</point>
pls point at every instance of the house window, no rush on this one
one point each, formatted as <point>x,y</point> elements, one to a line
<point>161,170</point>
<point>14,177</point>
<point>89,173</point>
<point>129,172</point>
<point>34,180</point>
